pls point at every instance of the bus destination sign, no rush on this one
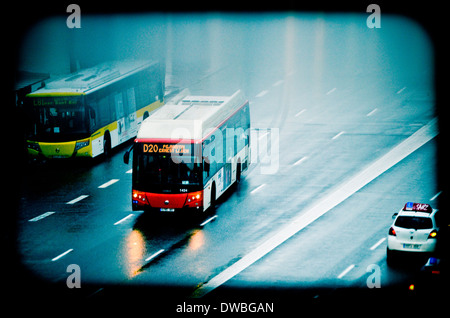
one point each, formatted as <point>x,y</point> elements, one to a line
<point>166,148</point>
<point>56,101</point>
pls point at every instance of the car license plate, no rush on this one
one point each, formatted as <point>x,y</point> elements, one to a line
<point>167,210</point>
<point>412,246</point>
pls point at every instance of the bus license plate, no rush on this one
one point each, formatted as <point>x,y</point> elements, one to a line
<point>167,210</point>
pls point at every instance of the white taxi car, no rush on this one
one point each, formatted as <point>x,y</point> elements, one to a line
<point>415,229</point>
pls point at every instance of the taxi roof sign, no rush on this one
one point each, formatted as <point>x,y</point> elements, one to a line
<point>417,207</point>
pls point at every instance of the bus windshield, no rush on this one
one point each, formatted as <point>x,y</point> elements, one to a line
<point>57,118</point>
<point>157,171</point>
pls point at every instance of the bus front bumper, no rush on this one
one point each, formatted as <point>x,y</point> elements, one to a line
<point>60,150</point>
<point>167,202</point>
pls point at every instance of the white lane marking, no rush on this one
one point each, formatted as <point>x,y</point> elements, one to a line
<point>337,136</point>
<point>208,220</point>
<point>262,93</point>
<point>107,184</point>
<point>401,90</point>
<point>40,217</point>
<point>372,112</point>
<point>129,171</point>
<point>124,219</point>
<point>61,255</point>
<point>278,83</point>
<point>257,188</point>
<point>96,292</point>
<point>300,161</point>
<point>374,246</point>
<point>345,272</point>
<point>312,213</point>
<point>81,197</point>
<point>300,112</point>
<point>154,255</point>
<point>435,196</point>
<point>331,91</point>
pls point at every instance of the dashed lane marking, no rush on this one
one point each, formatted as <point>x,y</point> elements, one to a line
<point>62,254</point>
<point>40,217</point>
<point>331,91</point>
<point>374,246</point>
<point>338,135</point>
<point>81,197</point>
<point>257,188</point>
<point>401,90</point>
<point>435,196</point>
<point>300,161</point>
<point>262,93</point>
<point>300,112</point>
<point>372,112</point>
<point>154,255</point>
<point>346,271</point>
<point>209,220</point>
<point>278,83</point>
<point>124,219</point>
<point>107,184</point>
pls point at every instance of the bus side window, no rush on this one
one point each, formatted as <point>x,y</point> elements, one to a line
<point>92,118</point>
<point>118,102</point>
<point>131,100</point>
<point>103,113</point>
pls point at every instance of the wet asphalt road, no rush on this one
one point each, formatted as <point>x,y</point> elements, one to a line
<point>328,98</point>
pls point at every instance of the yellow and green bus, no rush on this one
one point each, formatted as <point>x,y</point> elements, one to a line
<point>87,113</point>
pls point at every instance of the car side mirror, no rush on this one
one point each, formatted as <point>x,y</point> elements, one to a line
<point>394,215</point>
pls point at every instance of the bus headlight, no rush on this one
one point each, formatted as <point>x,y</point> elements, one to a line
<point>139,198</point>
<point>81,144</point>
<point>34,146</point>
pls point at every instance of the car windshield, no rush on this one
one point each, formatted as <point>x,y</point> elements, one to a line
<point>414,222</point>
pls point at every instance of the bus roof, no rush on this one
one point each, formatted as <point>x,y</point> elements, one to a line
<point>191,118</point>
<point>88,80</point>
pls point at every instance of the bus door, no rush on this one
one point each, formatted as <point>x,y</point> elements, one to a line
<point>120,115</point>
<point>131,120</point>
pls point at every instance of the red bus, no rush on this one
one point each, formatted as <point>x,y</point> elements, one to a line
<point>187,154</point>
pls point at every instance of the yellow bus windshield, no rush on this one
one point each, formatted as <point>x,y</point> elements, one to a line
<point>58,118</point>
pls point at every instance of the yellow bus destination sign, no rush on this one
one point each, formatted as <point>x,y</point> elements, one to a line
<point>56,101</point>
<point>166,148</point>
